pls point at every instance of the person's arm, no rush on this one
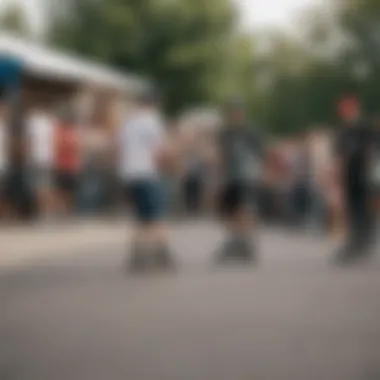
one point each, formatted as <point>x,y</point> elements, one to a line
<point>337,150</point>
<point>259,149</point>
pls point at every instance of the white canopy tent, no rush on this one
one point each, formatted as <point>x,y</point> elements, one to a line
<point>46,63</point>
<point>201,119</point>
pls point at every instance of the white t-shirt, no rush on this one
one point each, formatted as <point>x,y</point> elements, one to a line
<point>3,147</point>
<point>141,136</point>
<point>40,129</point>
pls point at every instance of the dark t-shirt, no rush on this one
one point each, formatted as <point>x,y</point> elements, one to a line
<point>375,171</point>
<point>242,151</point>
<point>354,148</point>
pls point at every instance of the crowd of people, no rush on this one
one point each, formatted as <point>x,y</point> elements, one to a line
<point>62,168</point>
<point>319,179</point>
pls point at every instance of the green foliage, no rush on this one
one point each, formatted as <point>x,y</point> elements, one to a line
<point>14,20</point>
<point>192,51</point>
<point>182,45</point>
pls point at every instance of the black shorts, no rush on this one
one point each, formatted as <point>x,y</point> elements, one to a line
<point>235,196</point>
<point>66,181</point>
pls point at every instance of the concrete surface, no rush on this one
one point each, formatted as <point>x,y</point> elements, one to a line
<point>76,316</point>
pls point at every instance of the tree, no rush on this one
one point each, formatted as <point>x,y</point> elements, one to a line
<point>14,20</point>
<point>185,46</point>
<point>359,21</point>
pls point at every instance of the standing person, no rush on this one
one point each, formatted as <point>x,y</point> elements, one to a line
<point>375,178</point>
<point>40,144</point>
<point>320,152</point>
<point>4,156</point>
<point>96,146</point>
<point>194,181</point>
<point>302,181</point>
<point>67,162</point>
<point>241,155</point>
<point>354,148</point>
<point>142,155</point>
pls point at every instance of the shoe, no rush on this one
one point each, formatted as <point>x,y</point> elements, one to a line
<point>246,251</point>
<point>163,259</point>
<point>137,261</point>
<point>224,253</point>
<point>346,255</point>
<point>241,251</point>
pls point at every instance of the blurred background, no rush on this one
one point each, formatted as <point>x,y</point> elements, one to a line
<point>291,60</point>
<point>75,66</point>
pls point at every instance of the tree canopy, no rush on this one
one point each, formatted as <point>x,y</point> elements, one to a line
<point>13,20</point>
<point>194,52</point>
<point>184,46</point>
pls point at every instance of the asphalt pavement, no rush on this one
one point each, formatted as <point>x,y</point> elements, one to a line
<point>77,316</point>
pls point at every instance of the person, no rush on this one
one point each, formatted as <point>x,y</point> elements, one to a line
<point>3,156</point>
<point>67,162</point>
<point>240,155</point>
<point>375,177</point>
<point>194,181</point>
<point>302,181</point>
<point>143,156</point>
<point>354,147</point>
<point>40,141</point>
<point>321,161</point>
<point>270,194</point>
<point>97,146</point>
<point>17,192</point>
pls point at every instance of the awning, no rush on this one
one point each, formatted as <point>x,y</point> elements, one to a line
<point>41,61</point>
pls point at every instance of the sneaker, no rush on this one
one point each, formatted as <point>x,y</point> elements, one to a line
<point>224,253</point>
<point>137,261</point>
<point>237,250</point>
<point>348,255</point>
<point>246,251</point>
<point>163,259</point>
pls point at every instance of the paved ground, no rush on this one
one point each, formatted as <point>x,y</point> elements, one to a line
<point>77,317</point>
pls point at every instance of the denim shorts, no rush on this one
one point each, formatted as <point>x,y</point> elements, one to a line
<point>147,199</point>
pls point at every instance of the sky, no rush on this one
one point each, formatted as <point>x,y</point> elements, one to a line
<point>255,14</point>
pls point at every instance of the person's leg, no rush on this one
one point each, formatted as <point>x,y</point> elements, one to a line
<point>59,194</point>
<point>367,224</point>
<point>376,204</point>
<point>4,207</point>
<point>239,222</point>
<point>136,260</point>
<point>3,211</point>
<point>352,247</point>
<point>158,234</point>
<point>69,193</point>
<point>359,223</point>
<point>44,195</point>
<point>150,236</point>
<point>295,205</point>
